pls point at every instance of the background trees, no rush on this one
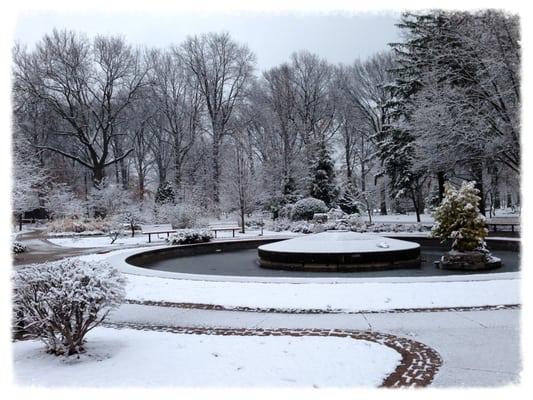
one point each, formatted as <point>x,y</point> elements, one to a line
<point>194,119</point>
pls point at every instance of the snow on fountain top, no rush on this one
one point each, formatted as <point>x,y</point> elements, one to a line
<point>339,242</point>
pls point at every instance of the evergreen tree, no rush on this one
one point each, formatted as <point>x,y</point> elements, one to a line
<point>458,218</point>
<point>165,194</point>
<point>323,181</point>
<point>348,199</point>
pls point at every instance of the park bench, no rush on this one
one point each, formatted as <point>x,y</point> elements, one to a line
<point>156,230</point>
<point>502,222</point>
<point>231,226</point>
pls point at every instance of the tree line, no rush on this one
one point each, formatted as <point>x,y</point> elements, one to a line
<point>385,133</point>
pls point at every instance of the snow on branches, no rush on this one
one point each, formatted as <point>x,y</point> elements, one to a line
<point>59,302</point>
<point>458,218</point>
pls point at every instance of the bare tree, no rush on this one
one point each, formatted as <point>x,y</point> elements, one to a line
<point>177,101</point>
<point>222,69</point>
<point>88,85</point>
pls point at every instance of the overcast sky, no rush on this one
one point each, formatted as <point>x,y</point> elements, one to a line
<point>338,38</point>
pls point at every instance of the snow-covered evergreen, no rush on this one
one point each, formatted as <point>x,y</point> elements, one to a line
<point>458,218</point>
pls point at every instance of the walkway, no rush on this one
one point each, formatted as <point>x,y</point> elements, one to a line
<point>478,348</point>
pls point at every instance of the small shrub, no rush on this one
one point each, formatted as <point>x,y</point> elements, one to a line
<point>305,209</point>
<point>75,225</point>
<point>59,302</point>
<point>190,237</point>
<point>18,247</point>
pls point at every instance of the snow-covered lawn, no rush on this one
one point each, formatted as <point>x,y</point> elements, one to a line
<point>141,240</point>
<point>104,241</point>
<point>128,357</point>
<point>344,296</point>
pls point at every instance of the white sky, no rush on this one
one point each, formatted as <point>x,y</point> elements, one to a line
<point>271,36</point>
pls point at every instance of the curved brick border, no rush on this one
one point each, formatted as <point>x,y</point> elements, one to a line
<point>417,368</point>
<point>218,307</point>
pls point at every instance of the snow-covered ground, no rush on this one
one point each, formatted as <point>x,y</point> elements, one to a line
<point>342,296</point>
<point>128,357</point>
<point>399,218</point>
<point>141,240</point>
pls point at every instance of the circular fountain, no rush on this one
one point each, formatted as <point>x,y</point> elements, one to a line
<point>339,251</point>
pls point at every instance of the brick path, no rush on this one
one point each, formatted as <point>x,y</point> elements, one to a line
<point>417,368</point>
<point>218,307</point>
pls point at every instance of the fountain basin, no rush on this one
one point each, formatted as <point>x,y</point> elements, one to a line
<point>339,251</point>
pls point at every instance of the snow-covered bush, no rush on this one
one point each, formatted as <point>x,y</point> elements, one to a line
<point>278,225</point>
<point>59,302</point>
<point>76,225</point>
<point>190,236</point>
<point>106,199</point>
<point>304,209</point>
<point>180,216</point>
<point>61,202</point>
<point>335,214</point>
<point>286,211</point>
<point>303,227</point>
<point>351,223</point>
<point>18,247</point>
<point>458,218</point>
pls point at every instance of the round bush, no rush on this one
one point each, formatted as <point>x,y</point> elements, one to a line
<point>304,209</point>
<point>59,302</point>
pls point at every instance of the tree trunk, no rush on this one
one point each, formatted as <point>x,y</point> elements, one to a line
<point>216,173</point>
<point>123,173</point>
<point>98,174</point>
<point>441,179</point>
<point>477,169</point>
<point>383,199</point>
<point>242,217</point>
<point>141,186</point>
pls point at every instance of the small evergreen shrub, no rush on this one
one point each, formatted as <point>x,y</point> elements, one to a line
<point>59,302</point>
<point>458,218</point>
<point>305,209</point>
<point>190,237</point>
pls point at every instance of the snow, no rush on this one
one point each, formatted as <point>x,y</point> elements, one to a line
<point>104,241</point>
<point>339,242</point>
<point>142,240</point>
<point>343,296</point>
<point>399,218</point>
<point>128,357</point>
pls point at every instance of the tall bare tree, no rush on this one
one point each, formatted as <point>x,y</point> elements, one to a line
<point>222,69</point>
<point>88,85</point>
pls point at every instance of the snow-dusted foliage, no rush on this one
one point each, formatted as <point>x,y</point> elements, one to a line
<point>458,218</point>
<point>304,209</point>
<point>75,225</point>
<point>106,199</point>
<point>61,202</point>
<point>351,223</point>
<point>59,302</point>
<point>180,216</point>
<point>18,247</point>
<point>190,236</point>
<point>165,194</point>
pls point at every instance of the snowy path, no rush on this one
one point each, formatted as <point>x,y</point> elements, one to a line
<point>479,348</point>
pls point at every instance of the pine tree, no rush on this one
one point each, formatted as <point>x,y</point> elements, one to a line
<point>458,218</point>
<point>348,199</point>
<point>165,194</point>
<point>323,182</point>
